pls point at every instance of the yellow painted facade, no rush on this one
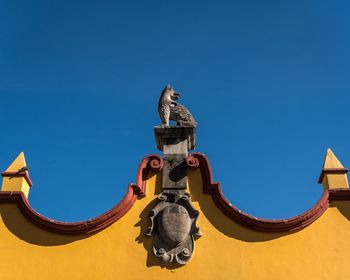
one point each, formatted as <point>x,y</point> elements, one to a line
<point>12,183</point>
<point>331,180</point>
<point>225,251</point>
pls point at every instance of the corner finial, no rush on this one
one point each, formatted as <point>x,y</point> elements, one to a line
<point>333,175</point>
<point>16,177</point>
<point>331,161</point>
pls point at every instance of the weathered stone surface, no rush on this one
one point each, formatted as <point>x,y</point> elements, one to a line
<point>172,136</point>
<point>179,148</point>
<point>174,174</point>
<point>170,109</point>
<point>173,223</point>
<point>175,143</point>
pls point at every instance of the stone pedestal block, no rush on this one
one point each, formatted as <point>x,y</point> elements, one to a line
<point>175,142</point>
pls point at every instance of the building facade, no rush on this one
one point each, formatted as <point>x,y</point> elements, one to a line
<point>175,223</point>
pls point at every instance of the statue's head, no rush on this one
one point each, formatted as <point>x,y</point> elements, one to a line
<point>168,90</point>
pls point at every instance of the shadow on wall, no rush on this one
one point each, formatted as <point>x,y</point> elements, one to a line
<point>343,207</point>
<point>18,224</point>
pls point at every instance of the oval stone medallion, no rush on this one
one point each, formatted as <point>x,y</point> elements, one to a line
<point>174,224</point>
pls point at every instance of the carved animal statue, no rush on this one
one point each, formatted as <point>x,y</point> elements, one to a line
<point>169,109</point>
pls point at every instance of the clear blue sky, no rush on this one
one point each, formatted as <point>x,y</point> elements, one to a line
<point>268,82</point>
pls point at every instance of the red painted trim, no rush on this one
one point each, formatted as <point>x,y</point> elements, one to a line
<point>151,162</point>
<point>155,163</point>
<point>339,194</point>
<point>198,160</point>
<point>25,175</point>
<point>331,171</point>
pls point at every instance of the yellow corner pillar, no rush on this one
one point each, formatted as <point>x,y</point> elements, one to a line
<point>333,175</point>
<point>16,176</point>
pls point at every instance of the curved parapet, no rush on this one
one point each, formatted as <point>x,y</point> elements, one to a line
<point>137,190</point>
<point>134,191</point>
<point>231,244</point>
<point>198,160</point>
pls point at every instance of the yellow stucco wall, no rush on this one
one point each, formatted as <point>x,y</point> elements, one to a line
<point>15,184</point>
<point>10,183</point>
<point>225,251</point>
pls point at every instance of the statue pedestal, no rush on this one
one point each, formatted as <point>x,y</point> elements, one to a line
<point>175,142</point>
<point>175,139</point>
<point>173,219</point>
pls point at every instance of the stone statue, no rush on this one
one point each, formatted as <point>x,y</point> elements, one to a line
<point>173,218</point>
<point>169,109</point>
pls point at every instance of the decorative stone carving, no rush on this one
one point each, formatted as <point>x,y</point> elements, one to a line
<point>169,109</point>
<point>173,223</point>
<point>173,219</point>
